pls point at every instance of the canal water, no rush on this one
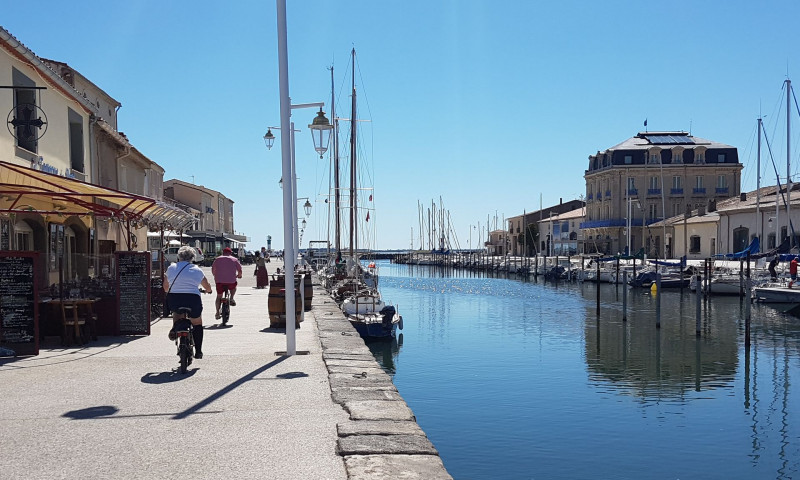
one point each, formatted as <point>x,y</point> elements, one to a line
<point>516,379</point>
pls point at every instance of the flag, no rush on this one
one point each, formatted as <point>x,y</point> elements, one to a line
<point>368,216</point>
<point>645,122</point>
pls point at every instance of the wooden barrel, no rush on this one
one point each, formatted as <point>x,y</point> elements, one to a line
<point>276,305</point>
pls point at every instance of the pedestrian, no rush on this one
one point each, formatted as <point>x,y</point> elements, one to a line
<point>772,264</point>
<point>262,279</point>
<point>793,271</point>
<point>226,269</point>
<point>265,254</point>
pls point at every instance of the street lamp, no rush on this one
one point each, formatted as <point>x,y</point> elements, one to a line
<point>269,139</point>
<point>321,132</point>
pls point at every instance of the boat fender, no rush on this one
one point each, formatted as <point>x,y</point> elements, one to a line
<point>400,324</point>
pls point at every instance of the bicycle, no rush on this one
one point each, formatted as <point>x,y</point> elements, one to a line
<point>225,306</point>
<point>182,334</point>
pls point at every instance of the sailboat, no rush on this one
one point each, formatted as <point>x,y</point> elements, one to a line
<point>357,287</point>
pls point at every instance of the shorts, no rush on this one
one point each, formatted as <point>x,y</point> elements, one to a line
<point>794,276</point>
<point>190,300</point>
<point>221,287</point>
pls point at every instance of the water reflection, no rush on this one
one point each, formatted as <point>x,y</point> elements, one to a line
<point>547,383</point>
<point>386,352</point>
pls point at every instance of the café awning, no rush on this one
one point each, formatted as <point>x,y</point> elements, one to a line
<point>24,190</point>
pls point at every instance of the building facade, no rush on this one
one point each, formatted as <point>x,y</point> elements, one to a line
<point>524,236</point>
<point>650,177</point>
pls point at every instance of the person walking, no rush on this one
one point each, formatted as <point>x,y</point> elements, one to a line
<point>226,269</point>
<point>793,271</point>
<point>262,279</point>
<point>181,282</point>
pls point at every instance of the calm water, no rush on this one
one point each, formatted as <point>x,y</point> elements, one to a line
<point>515,380</point>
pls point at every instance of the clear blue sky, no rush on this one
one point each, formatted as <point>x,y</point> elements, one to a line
<point>488,104</point>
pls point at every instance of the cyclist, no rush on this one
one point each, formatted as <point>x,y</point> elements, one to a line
<point>182,282</point>
<point>226,269</point>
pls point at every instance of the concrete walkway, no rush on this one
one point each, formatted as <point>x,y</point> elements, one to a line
<point>117,408</point>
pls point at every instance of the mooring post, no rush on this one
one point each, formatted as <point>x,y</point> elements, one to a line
<point>625,296</point>
<point>598,289</point>
<point>747,307</point>
<point>698,291</point>
<point>658,299</point>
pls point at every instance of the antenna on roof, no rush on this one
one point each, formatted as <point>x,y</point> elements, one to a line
<point>690,127</point>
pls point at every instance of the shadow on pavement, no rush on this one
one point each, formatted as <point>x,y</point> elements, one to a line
<point>167,377</point>
<point>227,389</point>
<point>290,375</point>
<point>218,326</point>
<point>91,412</point>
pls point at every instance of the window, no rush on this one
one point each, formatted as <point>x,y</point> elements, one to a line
<point>722,181</point>
<point>631,184</point>
<point>654,183</point>
<point>628,159</point>
<point>694,244</point>
<point>23,235</point>
<point>24,107</point>
<point>698,181</point>
<point>677,182</point>
<point>653,207</point>
<point>721,158</point>
<point>654,158</point>
<point>676,209</point>
<point>677,158</point>
<point>740,238</point>
<point>771,241</point>
<point>75,140</point>
<point>700,157</point>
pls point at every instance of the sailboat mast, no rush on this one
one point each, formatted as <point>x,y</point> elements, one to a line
<point>336,189</point>
<point>759,220</point>
<point>353,246</point>
<point>788,158</point>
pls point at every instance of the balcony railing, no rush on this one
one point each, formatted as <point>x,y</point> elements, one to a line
<point>654,191</point>
<point>608,193</point>
<point>676,191</point>
<point>633,191</point>
<point>590,196</point>
<point>700,190</point>
<point>722,189</point>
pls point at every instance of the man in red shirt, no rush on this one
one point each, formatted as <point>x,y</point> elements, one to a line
<point>226,269</point>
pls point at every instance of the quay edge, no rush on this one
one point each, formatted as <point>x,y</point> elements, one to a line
<point>382,438</point>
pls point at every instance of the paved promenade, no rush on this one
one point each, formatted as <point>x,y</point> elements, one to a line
<point>117,408</point>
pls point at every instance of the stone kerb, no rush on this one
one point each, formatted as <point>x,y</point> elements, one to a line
<point>382,438</point>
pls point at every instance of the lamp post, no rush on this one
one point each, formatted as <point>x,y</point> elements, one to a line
<point>287,164</point>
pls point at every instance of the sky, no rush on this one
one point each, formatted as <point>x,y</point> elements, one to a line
<point>492,106</point>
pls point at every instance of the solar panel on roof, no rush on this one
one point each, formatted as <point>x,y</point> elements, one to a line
<point>669,139</point>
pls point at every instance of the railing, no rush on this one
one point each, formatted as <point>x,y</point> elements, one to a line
<point>676,191</point>
<point>608,193</point>
<point>633,191</point>
<point>722,189</point>
<point>701,190</point>
<point>654,191</point>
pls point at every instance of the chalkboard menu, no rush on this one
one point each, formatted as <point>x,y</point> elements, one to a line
<point>133,292</point>
<point>19,324</point>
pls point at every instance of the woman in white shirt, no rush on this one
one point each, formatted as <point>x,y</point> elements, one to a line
<point>182,283</point>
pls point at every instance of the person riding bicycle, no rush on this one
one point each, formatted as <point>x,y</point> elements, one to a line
<point>226,269</point>
<point>182,283</point>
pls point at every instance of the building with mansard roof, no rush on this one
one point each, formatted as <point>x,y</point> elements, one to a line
<point>648,177</point>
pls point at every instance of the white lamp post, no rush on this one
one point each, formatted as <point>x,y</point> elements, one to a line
<point>287,162</point>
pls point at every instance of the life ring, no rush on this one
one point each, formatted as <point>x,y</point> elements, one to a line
<point>371,265</point>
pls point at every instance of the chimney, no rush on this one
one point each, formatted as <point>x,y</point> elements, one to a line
<point>712,204</point>
<point>743,196</point>
<point>701,210</point>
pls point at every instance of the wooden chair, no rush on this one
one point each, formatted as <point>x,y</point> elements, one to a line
<point>73,327</point>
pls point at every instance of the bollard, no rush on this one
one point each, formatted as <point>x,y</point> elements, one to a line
<point>625,296</point>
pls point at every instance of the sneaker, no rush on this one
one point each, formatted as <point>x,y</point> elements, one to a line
<point>233,303</point>
<point>198,355</point>
<point>172,335</point>
<point>217,315</point>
